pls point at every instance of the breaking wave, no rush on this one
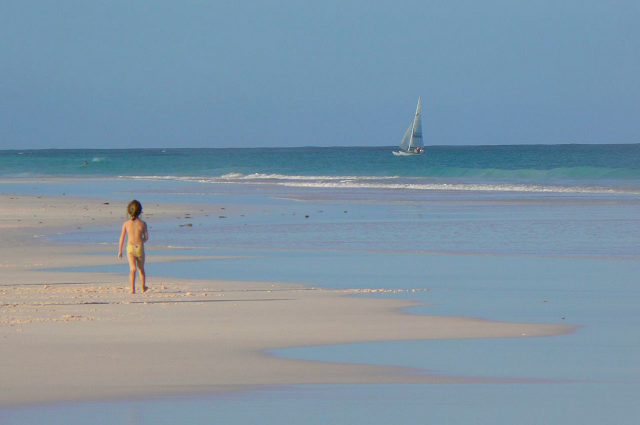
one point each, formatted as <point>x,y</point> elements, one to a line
<point>476,187</point>
<point>452,183</point>
<point>259,176</point>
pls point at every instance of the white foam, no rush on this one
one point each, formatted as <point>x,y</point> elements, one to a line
<point>259,176</point>
<point>470,187</point>
<point>232,176</point>
<point>393,182</point>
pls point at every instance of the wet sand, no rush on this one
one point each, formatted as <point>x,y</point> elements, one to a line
<point>81,336</point>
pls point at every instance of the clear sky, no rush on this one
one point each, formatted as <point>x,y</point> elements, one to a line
<point>235,73</point>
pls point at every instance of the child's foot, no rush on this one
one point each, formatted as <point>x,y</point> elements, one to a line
<point>144,289</point>
<point>133,292</point>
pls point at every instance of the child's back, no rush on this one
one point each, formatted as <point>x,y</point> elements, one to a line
<point>136,231</point>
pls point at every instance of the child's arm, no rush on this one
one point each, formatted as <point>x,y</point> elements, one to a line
<point>145,234</point>
<point>124,230</point>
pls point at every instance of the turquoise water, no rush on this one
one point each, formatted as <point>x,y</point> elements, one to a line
<point>554,168</point>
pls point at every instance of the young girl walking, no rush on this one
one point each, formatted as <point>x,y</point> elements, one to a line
<point>137,234</point>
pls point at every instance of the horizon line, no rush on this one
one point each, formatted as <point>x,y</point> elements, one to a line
<point>320,147</point>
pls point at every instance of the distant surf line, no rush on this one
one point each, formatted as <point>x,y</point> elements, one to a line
<point>391,183</point>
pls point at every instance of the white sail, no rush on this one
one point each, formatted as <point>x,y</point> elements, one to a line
<point>416,137</point>
<point>412,142</point>
<point>404,145</point>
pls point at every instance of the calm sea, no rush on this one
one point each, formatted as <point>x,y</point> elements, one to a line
<point>529,168</point>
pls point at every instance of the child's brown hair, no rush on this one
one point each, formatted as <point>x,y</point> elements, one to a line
<point>134,209</point>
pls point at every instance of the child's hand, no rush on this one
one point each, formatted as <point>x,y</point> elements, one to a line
<point>120,255</point>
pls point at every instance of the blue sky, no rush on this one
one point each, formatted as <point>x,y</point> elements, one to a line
<point>114,74</point>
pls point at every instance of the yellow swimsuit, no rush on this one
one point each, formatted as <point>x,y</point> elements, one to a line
<point>135,250</point>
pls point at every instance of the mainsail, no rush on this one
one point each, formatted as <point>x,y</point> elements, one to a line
<point>413,137</point>
<point>416,138</point>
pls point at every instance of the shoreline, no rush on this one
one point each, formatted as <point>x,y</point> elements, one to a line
<point>83,337</point>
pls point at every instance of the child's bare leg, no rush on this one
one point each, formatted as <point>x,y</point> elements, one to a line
<point>132,272</point>
<point>143,276</point>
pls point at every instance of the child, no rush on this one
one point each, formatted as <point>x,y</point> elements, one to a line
<point>137,235</point>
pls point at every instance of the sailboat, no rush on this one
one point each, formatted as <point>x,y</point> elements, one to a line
<point>412,143</point>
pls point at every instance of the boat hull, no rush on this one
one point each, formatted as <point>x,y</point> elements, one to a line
<point>403,153</point>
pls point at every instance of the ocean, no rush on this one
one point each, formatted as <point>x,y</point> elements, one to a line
<point>524,168</point>
<point>546,234</point>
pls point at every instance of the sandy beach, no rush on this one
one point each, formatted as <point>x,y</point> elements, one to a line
<point>69,336</point>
